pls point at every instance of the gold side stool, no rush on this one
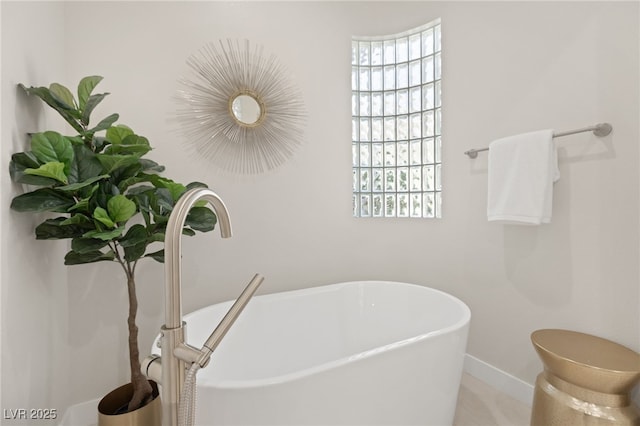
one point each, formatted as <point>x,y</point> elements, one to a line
<point>586,381</point>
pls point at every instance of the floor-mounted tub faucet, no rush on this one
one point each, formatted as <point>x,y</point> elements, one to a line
<point>177,356</point>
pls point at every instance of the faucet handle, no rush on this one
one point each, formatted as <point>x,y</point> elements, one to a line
<point>221,330</point>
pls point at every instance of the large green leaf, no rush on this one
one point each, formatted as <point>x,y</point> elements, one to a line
<point>42,92</point>
<point>74,258</point>
<point>137,234</point>
<point>52,146</point>
<point>55,229</point>
<point>86,245</point>
<point>192,185</point>
<point>116,134</point>
<point>102,194</point>
<point>75,140</point>
<point>85,165</point>
<point>157,237</point>
<point>151,166</point>
<point>51,170</point>
<point>134,252</point>
<point>114,162</point>
<point>26,159</point>
<point>85,88</point>
<point>90,104</point>
<point>146,215</point>
<point>22,161</point>
<point>103,217</point>
<point>135,242</point>
<point>135,140</point>
<point>175,189</point>
<point>123,175</point>
<point>162,202</point>
<point>42,200</point>
<point>105,123</point>
<point>142,201</point>
<point>104,235</point>
<point>78,219</point>
<point>45,94</point>
<point>137,178</point>
<point>81,205</point>
<point>63,96</point>
<point>121,208</point>
<point>76,186</point>
<point>158,256</point>
<point>201,219</point>
<point>132,144</point>
<point>141,189</point>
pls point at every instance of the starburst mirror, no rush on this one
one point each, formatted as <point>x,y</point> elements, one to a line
<point>240,109</point>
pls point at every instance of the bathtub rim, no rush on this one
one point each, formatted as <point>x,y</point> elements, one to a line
<point>287,377</point>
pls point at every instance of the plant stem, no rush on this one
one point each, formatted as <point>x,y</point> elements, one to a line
<point>142,391</point>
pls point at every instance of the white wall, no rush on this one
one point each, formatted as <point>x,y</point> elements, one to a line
<point>509,67</point>
<point>34,281</point>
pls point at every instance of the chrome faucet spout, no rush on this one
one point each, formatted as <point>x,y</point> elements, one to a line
<point>173,247</point>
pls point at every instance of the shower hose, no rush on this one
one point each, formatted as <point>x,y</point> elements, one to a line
<point>187,406</point>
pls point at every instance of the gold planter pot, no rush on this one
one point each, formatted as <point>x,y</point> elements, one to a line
<point>149,415</point>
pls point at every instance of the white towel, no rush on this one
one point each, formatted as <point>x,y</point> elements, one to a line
<point>522,170</point>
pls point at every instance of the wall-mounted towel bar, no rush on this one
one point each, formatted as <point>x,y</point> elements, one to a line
<point>600,130</point>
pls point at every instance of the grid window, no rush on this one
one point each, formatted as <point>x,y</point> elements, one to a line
<point>396,124</point>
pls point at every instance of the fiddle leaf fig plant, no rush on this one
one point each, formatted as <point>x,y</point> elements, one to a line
<point>98,190</point>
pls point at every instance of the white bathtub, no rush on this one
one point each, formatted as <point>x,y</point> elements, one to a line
<point>355,353</point>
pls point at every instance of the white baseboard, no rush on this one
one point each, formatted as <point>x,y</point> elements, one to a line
<point>504,382</point>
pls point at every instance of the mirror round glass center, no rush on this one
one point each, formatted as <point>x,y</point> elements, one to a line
<point>246,109</point>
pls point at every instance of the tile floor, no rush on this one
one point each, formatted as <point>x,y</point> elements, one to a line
<point>478,405</point>
<point>481,405</point>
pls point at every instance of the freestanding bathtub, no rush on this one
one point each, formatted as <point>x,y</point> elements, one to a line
<point>354,353</point>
